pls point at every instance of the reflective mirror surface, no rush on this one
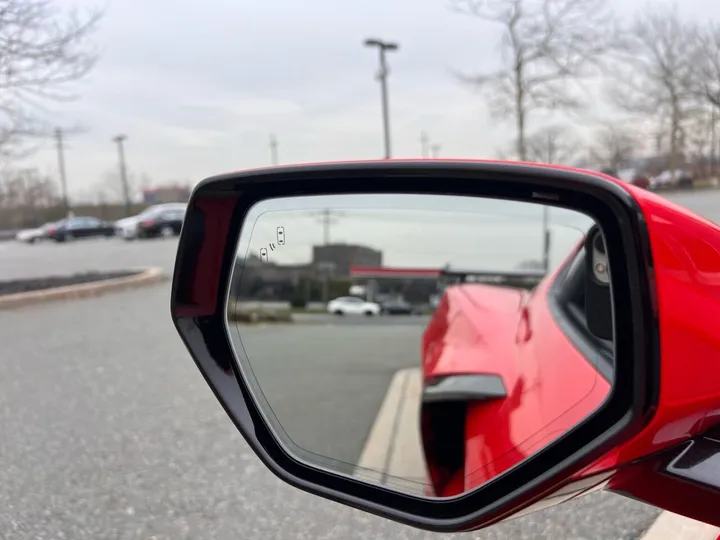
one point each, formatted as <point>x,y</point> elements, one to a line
<point>426,343</point>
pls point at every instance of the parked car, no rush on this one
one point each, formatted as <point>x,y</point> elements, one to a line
<point>351,305</point>
<point>128,228</point>
<point>397,306</point>
<point>30,236</point>
<point>665,179</point>
<point>631,176</point>
<point>163,222</point>
<point>79,227</point>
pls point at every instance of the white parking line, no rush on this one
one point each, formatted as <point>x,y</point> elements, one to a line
<point>392,454</point>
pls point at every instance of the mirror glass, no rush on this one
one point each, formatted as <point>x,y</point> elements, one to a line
<point>428,343</point>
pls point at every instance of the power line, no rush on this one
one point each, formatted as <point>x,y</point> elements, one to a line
<point>327,219</point>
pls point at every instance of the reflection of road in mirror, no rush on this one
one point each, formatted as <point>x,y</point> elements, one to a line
<point>375,354</point>
<point>329,396</point>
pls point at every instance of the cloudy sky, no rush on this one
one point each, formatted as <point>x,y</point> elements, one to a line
<point>199,86</point>
<point>429,231</point>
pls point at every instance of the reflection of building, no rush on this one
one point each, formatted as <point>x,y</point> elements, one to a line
<point>415,285</point>
<point>166,194</point>
<point>330,263</point>
<point>341,257</point>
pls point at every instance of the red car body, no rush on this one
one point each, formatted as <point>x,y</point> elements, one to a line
<point>551,387</point>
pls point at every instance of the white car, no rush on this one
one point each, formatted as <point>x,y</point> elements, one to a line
<point>127,228</point>
<point>351,305</point>
<point>30,236</point>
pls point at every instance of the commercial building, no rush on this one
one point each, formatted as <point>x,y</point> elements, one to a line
<point>338,259</point>
<point>166,194</point>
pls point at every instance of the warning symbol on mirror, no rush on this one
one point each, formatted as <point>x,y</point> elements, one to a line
<point>281,236</point>
<point>264,255</point>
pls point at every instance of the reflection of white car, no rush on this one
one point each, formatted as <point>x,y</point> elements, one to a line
<point>351,305</point>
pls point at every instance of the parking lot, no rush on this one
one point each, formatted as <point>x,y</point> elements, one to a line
<point>109,430</point>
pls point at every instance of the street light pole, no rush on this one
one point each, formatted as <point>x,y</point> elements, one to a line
<point>61,169</point>
<point>424,144</point>
<point>382,47</point>
<point>273,150</point>
<point>119,139</point>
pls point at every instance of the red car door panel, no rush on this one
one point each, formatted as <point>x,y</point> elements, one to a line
<point>551,386</point>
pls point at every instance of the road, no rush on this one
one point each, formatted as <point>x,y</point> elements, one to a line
<point>108,431</point>
<point>325,383</point>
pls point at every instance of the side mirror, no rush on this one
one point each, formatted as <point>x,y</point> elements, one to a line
<point>446,421</point>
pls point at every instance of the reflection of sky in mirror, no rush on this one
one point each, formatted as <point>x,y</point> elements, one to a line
<point>415,230</point>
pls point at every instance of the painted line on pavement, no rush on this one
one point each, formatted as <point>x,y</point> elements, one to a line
<point>392,454</point>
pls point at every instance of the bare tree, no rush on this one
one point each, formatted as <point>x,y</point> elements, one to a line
<point>23,194</point>
<point>614,146</point>
<point>42,51</point>
<point>545,46</point>
<point>554,144</point>
<point>112,188</point>
<point>655,78</point>
<point>706,62</point>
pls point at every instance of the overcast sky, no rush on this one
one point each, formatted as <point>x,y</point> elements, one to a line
<point>412,230</point>
<point>199,86</point>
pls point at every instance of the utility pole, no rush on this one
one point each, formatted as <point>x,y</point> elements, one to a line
<point>546,239</point>
<point>383,47</point>
<point>273,150</point>
<point>424,143</point>
<point>435,148</point>
<point>61,169</point>
<point>119,139</point>
<point>327,220</point>
<point>713,142</point>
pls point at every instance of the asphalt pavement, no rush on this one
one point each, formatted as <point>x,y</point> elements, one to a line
<point>326,382</point>
<point>108,431</point>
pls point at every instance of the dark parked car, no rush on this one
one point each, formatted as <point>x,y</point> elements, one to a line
<point>79,227</point>
<point>397,306</point>
<point>163,223</point>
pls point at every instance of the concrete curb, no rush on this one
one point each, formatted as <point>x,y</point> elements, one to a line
<point>147,276</point>
<point>670,526</point>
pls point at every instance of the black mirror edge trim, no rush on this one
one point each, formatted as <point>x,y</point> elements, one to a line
<point>628,409</point>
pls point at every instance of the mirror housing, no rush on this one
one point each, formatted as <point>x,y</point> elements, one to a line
<point>206,255</point>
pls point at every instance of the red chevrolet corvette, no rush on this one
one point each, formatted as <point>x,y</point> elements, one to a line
<point>501,379</point>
